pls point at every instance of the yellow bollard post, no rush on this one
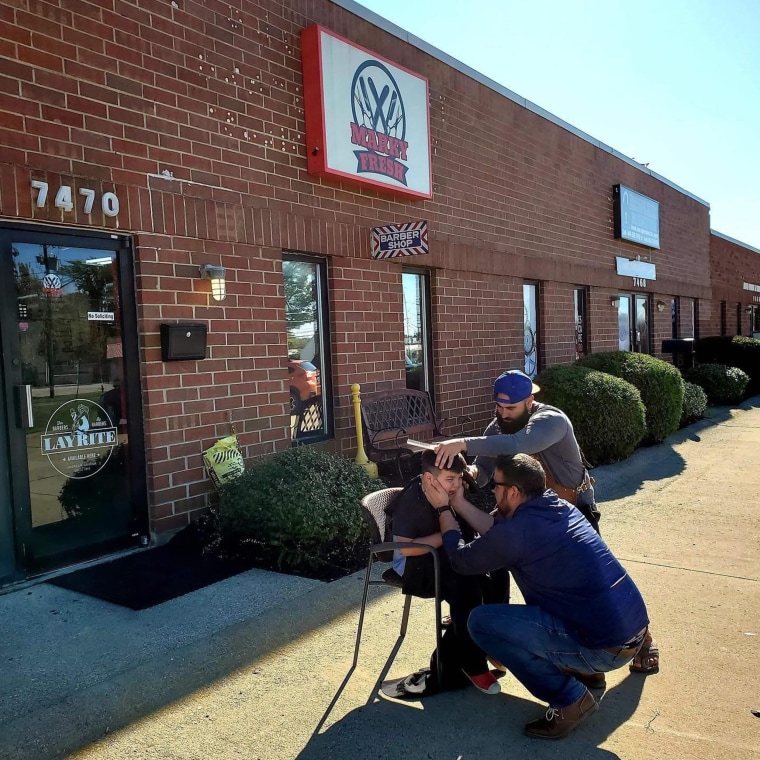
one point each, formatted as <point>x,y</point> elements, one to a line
<point>361,457</point>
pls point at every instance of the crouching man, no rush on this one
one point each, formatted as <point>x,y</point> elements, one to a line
<point>583,615</point>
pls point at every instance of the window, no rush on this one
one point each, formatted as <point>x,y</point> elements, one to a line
<point>306,320</point>
<point>417,343</point>
<point>754,321</point>
<point>690,317</point>
<point>738,319</point>
<point>580,299</point>
<point>675,317</point>
<point>530,327</point>
<point>722,317</point>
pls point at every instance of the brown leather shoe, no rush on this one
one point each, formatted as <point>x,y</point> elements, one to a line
<point>594,681</point>
<point>560,721</point>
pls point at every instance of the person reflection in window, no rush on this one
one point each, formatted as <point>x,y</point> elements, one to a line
<point>111,402</point>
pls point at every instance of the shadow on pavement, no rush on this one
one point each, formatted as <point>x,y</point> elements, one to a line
<point>468,725</point>
<point>660,462</point>
<point>109,671</point>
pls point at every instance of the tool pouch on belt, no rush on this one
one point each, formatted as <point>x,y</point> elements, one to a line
<point>568,494</point>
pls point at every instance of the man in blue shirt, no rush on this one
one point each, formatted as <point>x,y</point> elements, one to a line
<point>523,425</point>
<point>583,615</point>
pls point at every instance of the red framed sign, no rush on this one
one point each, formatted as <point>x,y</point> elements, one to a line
<point>367,119</point>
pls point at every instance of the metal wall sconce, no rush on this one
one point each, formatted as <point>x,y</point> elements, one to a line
<point>749,309</point>
<point>615,301</point>
<point>218,283</point>
<point>661,306</point>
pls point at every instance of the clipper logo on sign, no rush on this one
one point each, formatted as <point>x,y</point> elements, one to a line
<point>379,122</point>
<point>367,118</point>
<point>79,438</point>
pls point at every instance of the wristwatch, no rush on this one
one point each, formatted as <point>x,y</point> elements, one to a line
<point>446,508</point>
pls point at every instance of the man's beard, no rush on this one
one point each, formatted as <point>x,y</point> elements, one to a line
<point>513,426</point>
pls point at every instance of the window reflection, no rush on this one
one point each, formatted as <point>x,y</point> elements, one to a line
<point>71,356</point>
<point>305,323</point>
<point>581,332</point>
<point>624,324</point>
<point>530,327</point>
<point>416,349</point>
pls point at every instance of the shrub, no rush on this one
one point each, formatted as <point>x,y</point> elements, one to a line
<point>607,413</point>
<point>694,404</point>
<point>723,385</point>
<point>660,385</point>
<point>733,351</point>
<point>300,508</point>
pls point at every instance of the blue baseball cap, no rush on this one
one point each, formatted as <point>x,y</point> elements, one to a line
<point>515,385</point>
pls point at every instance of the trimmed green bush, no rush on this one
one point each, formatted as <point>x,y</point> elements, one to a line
<point>607,413</point>
<point>299,507</point>
<point>660,385</point>
<point>694,404</point>
<point>733,351</point>
<point>723,385</point>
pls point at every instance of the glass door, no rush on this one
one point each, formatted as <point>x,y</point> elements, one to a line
<point>641,328</point>
<point>633,323</point>
<point>67,411</point>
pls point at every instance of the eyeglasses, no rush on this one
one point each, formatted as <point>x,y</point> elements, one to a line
<point>495,483</point>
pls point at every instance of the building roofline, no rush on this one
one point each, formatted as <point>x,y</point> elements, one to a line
<point>735,241</point>
<point>408,37</point>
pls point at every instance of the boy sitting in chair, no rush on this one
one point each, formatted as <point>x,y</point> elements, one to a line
<point>413,518</point>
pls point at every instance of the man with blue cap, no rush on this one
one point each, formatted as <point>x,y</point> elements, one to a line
<point>523,426</point>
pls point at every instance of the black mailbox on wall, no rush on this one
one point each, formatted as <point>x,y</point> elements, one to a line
<point>183,342</point>
<point>682,350</point>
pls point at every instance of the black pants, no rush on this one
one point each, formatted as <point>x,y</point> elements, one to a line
<point>592,514</point>
<point>463,593</point>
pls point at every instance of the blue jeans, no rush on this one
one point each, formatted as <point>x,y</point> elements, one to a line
<point>534,645</point>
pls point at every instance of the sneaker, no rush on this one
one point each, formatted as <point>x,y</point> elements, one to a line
<point>560,721</point>
<point>484,682</point>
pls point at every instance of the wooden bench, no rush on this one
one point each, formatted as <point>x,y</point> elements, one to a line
<point>401,423</point>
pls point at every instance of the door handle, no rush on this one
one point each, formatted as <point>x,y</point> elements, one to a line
<point>24,411</point>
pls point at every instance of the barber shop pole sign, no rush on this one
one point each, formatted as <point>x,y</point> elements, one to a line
<point>410,239</point>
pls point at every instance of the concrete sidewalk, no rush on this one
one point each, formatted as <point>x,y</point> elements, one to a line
<point>258,666</point>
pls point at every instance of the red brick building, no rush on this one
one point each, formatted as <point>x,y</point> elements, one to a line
<point>143,140</point>
<point>735,270</point>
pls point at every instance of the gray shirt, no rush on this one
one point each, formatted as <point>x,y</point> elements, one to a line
<point>548,432</point>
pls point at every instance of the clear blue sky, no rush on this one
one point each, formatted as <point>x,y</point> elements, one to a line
<point>675,83</point>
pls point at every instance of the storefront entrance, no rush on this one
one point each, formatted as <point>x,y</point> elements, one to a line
<point>633,323</point>
<point>72,463</point>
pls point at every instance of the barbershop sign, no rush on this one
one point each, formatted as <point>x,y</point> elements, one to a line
<point>410,239</point>
<point>366,117</point>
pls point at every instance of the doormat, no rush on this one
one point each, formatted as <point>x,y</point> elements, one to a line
<point>150,577</point>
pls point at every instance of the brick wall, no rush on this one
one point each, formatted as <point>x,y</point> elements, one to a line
<point>732,265</point>
<point>193,116</point>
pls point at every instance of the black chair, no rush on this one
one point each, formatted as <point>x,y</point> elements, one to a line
<point>381,550</point>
